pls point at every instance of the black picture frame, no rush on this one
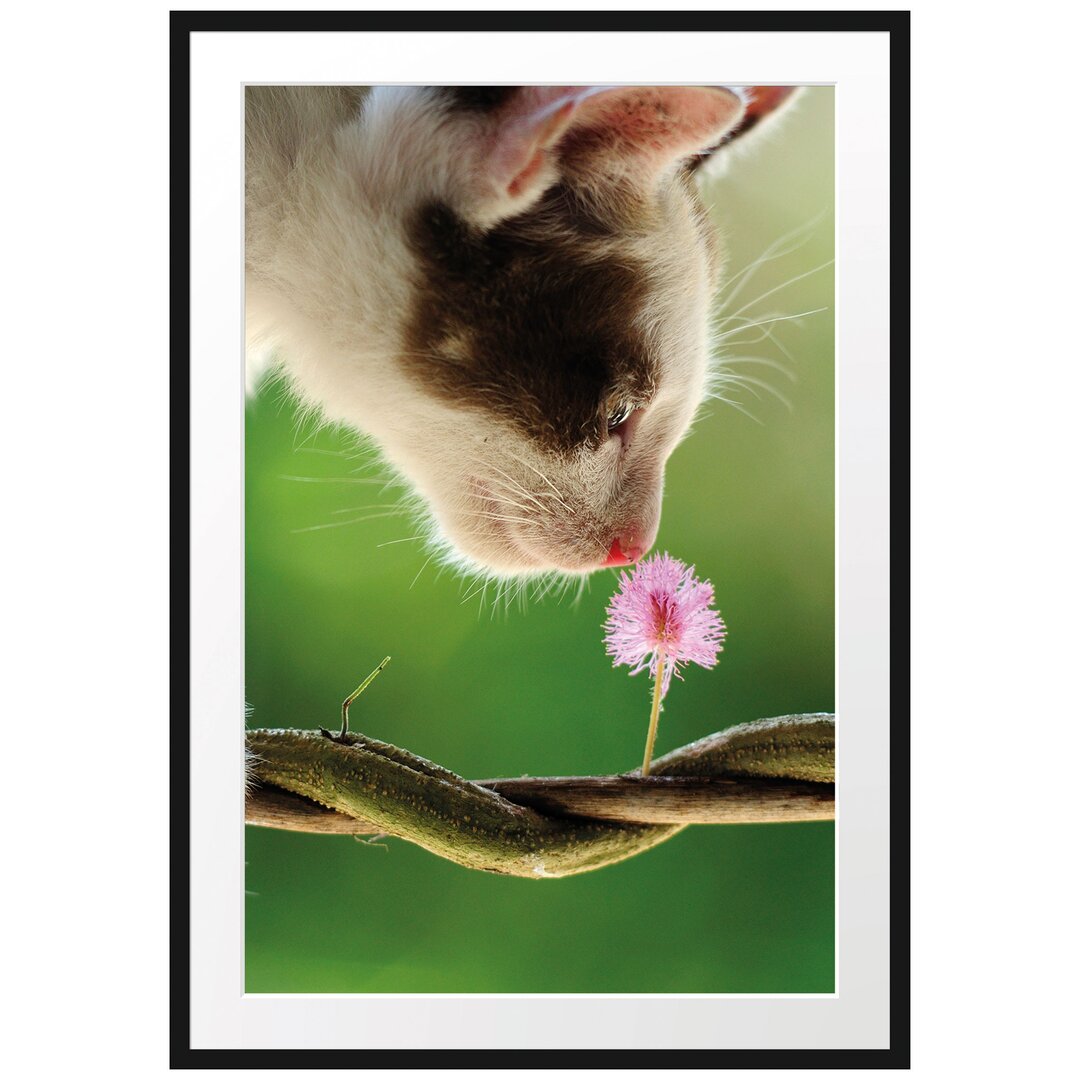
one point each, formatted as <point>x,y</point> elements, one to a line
<point>896,24</point>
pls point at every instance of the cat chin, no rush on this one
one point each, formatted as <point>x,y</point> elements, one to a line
<point>501,554</point>
<point>506,557</point>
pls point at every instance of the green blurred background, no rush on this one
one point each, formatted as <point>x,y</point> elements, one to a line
<point>749,500</point>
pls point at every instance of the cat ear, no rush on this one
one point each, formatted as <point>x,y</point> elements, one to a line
<point>527,128</point>
<point>764,105</point>
<point>534,135</point>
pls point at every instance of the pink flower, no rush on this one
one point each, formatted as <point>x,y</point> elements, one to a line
<point>661,618</point>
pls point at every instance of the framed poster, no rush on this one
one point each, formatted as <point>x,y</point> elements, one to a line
<point>464,272</point>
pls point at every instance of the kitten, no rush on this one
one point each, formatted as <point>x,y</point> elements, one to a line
<point>507,288</point>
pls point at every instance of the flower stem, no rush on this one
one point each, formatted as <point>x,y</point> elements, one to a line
<point>655,717</point>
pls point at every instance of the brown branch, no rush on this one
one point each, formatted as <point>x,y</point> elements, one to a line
<point>276,808</point>
<point>672,800</point>
<point>775,770</point>
<point>657,800</point>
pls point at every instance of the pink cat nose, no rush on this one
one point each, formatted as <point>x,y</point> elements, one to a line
<point>624,550</point>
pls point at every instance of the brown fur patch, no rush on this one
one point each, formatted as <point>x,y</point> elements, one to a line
<point>534,320</point>
<point>481,99</point>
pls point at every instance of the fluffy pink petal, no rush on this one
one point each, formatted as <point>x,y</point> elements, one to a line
<point>662,609</point>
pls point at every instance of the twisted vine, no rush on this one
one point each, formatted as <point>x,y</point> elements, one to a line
<point>780,769</point>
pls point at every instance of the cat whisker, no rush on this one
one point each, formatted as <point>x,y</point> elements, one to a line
<point>765,335</point>
<point>750,324</point>
<point>423,567</point>
<point>717,394</point>
<point>503,517</point>
<point>399,510</point>
<point>351,521</point>
<point>330,479</point>
<point>776,288</point>
<point>545,508</point>
<point>738,281</point>
<point>515,486</point>
<point>499,496</point>
<point>558,494</point>
<point>554,584</point>
<point>583,588</point>
<point>731,361</point>
<point>482,584</point>
<point>749,382</point>
<point>770,334</point>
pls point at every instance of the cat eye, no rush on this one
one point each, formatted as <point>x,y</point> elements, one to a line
<point>619,416</point>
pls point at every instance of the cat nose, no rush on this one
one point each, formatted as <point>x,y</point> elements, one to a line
<point>625,549</point>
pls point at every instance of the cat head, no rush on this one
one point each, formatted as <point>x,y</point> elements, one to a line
<point>548,342</point>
